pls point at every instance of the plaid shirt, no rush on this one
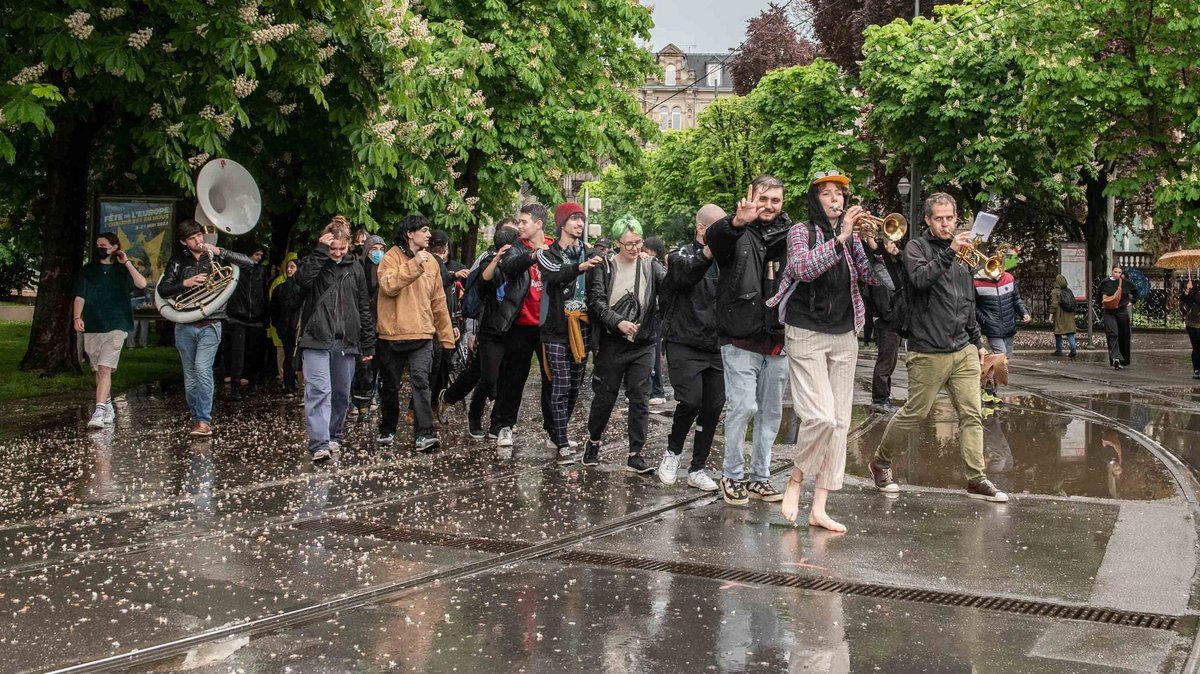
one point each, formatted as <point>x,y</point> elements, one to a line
<point>807,264</point>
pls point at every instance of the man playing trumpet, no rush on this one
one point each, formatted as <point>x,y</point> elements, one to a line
<point>945,348</point>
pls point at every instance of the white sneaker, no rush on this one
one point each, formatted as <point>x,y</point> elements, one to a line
<point>110,415</point>
<point>504,437</point>
<point>335,446</point>
<point>668,468</point>
<point>97,420</point>
<point>658,401</point>
<point>700,480</point>
<point>551,444</point>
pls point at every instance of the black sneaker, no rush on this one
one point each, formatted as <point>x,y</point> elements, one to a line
<point>1196,374</point>
<point>984,490</point>
<point>426,443</point>
<point>591,453</point>
<point>734,492</point>
<point>765,491</point>
<point>475,429</point>
<point>884,481</point>
<point>566,456</point>
<point>1071,355</point>
<point>636,464</point>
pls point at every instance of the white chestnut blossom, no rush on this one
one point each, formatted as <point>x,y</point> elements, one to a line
<point>139,39</point>
<point>249,12</point>
<point>408,64</point>
<point>202,30</point>
<point>156,111</point>
<point>110,13</point>
<point>77,23</point>
<point>28,74</point>
<point>174,129</point>
<point>325,52</point>
<point>272,33</point>
<point>369,196</point>
<point>421,194</point>
<point>287,109</point>
<point>243,86</point>
<point>196,161</point>
<point>168,47</point>
<point>486,47</point>
<point>326,79</point>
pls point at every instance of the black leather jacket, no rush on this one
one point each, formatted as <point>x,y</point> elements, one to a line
<point>747,281</point>
<point>336,300</point>
<point>184,265</point>
<point>689,298</point>
<point>941,303</point>
<point>499,314</point>
<point>604,319</point>
<point>249,302</point>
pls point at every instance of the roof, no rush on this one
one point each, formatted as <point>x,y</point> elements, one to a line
<point>700,63</point>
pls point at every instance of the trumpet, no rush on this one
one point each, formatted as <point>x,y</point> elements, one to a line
<point>973,258</point>
<point>893,226</point>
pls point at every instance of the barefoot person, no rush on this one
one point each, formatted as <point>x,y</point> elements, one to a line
<point>822,310</point>
<point>104,315</point>
<point>945,348</point>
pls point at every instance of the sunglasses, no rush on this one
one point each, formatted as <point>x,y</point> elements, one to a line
<point>825,174</point>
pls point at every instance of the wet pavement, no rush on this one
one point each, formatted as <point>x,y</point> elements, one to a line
<point>141,546</point>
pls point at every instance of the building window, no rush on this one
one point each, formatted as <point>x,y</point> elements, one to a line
<point>714,74</point>
<point>676,119</point>
<point>670,76</point>
<point>663,118</point>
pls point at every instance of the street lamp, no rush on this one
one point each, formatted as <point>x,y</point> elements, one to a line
<point>904,187</point>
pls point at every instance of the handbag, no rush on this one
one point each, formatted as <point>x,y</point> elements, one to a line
<point>1115,301</point>
<point>628,307</point>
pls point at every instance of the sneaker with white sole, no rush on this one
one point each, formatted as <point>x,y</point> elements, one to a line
<point>426,443</point>
<point>504,437</point>
<point>386,439</point>
<point>734,492</point>
<point>700,480</point>
<point>668,468</point>
<point>764,491</point>
<point>984,490</point>
<point>566,456</point>
<point>475,429</point>
<point>551,444</point>
<point>335,446</point>
<point>97,420</point>
<point>658,401</point>
<point>321,454</point>
<point>636,464</point>
<point>110,415</point>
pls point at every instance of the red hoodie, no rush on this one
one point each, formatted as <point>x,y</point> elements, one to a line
<point>531,309</point>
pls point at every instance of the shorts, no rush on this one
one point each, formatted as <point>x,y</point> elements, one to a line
<point>104,348</point>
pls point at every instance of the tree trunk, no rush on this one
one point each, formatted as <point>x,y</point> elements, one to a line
<point>282,225</point>
<point>470,238</point>
<point>1095,226</point>
<point>64,227</point>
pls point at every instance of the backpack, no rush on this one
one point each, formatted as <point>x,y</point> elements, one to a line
<point>893,308</point>
<point>471,304</point>
<point>1066,300</point>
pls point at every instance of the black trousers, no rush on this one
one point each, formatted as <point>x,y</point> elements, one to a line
<point>698,378</point>
<point>520,345</point>
<point>290,360</point>
<point>393,358</point>
<point>439,377</point>
<point>885,362</point>
<point>466,380</point>
<point>245,346</point>
<point>619,361</point>
<point>489,353</point>
<point>1118,330</point>
<point>1194,335</point>
<point>366,382</point>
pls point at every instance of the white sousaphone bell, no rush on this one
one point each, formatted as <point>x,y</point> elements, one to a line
<point>227,199</point>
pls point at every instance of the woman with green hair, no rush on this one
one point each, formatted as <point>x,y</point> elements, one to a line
<point>622,302</point>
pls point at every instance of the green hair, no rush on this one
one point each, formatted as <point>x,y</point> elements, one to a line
<point>625,223</point>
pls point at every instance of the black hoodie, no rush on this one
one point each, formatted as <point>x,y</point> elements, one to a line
<point>825,304</point>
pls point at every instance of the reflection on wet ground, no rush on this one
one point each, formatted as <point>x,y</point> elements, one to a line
<point>1026,452</point>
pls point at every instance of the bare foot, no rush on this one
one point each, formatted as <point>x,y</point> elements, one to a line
<point>790,507</point>
<point>825,522</point>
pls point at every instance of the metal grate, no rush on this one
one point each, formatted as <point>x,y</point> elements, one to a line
<point>406,535</point>
<point>1003,604</point>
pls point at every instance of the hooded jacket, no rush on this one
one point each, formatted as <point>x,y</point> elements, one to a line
<point>941,298</point>
<point>370,269</point>
<point>1064,321</point>
<point>336,303</point>
<point>750,260</point>
<point>689,298</point>
<point>998,305</point>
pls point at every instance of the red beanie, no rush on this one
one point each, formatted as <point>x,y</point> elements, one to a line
<point>565,211</point>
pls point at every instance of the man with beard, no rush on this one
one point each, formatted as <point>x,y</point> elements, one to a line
<point>565,328</point>
<point>750,248</point>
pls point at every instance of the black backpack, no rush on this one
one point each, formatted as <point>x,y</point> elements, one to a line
<point>471,304</point>
<point>1066,300</point>
<point>893,307</point>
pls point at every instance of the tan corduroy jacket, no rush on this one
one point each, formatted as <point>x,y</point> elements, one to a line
<point>412,302</point>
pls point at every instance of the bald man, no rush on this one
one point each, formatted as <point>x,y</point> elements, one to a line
<point>693,353</point>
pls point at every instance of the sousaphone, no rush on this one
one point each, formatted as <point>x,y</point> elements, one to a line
<point>227,199</point>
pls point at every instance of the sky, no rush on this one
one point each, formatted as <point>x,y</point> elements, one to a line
<point>702,25</point>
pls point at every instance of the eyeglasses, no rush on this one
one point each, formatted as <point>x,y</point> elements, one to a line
<point>825,174</point>
<point>632,245</point>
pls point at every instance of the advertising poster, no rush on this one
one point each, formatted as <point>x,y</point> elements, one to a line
<point>145,227</point>
<point>1072,263</point>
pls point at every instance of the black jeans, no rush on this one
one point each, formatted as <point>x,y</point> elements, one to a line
<point>466,380</point>
<point>244,349</point>
<point>489,353</point>
<point>520,345</point>
<point>443,362</point>
<point>393,357</point>
<point>1119,332</point>
<point>287,339</point>
<point>698,378</point>
<point>885,363</point>
<point>366,381</point>
<point>619,361</point>
<point>656,382</point>
<point>1194,335</point>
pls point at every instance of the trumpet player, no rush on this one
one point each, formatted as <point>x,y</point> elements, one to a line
<point>197,342</point>
<point>823,311</point>
<point>945,348</point>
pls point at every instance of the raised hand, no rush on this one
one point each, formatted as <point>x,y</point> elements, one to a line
<point>748,209</point>
<point>961,240</point>
<point>326,239</point>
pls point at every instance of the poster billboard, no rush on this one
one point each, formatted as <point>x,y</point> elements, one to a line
<point>145,226</point>
<point>1072,263</point>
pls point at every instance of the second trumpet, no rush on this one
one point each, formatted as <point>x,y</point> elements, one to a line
<point>893,226</point>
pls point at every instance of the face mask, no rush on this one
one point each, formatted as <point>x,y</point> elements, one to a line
<point>376,256</point>
<point>99,254</point>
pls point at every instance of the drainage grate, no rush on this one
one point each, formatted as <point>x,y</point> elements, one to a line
<point>406,535</point>
<point>1003,604</point>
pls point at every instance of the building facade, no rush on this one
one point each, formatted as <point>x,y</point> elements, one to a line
<point>689,84</point>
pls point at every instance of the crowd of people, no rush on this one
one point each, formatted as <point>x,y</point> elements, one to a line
<point>753,306</point>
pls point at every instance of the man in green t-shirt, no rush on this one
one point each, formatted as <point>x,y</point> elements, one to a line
<point>104,315</point>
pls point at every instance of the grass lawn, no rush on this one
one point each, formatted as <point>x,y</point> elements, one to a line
<point>138,366</point>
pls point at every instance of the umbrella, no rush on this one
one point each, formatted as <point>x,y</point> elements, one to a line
<point>1141,284</point>
<point>1180,259</point>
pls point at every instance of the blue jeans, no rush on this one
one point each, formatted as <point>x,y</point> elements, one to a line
<point>753,390</point>
<point>328,375</point>
<point>197,348</point>
<point>1058,340</point>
